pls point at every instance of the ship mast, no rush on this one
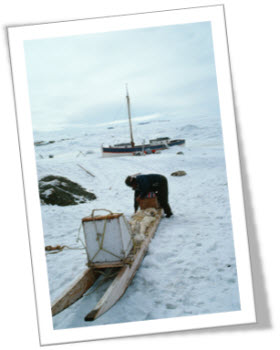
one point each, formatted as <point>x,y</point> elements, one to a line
<point>129,117</point>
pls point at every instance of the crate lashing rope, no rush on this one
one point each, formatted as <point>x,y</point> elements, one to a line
<point>79,239</point>
<point>129,260</point>
<point>59,248</point>
<point>129,230</point>
<point>102,235</point>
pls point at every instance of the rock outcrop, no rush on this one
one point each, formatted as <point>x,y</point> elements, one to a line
<point>179,173</point>
<point>58,190</point>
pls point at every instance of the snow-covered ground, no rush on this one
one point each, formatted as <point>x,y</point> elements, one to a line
<point>190,266</point>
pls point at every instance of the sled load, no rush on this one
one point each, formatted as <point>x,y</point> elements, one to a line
<point>150,201</point>
<point>112,243</point>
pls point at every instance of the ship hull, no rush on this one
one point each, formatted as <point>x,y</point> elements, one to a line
<point>132,151</point>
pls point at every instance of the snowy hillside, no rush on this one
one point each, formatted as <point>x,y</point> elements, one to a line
<point>190,266</point>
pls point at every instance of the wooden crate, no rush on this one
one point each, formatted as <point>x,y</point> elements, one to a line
<point>149,203</point>
<point>107,237</point>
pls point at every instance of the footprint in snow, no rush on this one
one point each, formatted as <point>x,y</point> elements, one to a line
<point>171,306</point>
<point>231,280</point>
<point>212,248</point>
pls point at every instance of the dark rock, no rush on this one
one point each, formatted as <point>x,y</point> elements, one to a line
<point>58,190</point>
<point>39,143</point>
<point>180,152</point>
<point>179,173</point>
<point>43,143</point>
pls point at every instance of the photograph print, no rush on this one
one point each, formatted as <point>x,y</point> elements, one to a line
<point>132,174</point>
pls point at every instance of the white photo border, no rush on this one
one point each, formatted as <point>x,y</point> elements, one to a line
<point>17,36</point>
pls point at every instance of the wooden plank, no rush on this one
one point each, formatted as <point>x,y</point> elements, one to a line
<point>106,264</point>
<point>85,169</point>
<point>75,291</point>
<point>102,217</point>
<point>124,277</point>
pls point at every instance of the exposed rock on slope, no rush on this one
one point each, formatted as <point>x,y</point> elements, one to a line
<point>58,190</point>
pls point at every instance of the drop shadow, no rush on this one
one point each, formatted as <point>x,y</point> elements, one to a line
<point>259,285</point>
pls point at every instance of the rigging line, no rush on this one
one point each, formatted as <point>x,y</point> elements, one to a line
<point>117,114</point>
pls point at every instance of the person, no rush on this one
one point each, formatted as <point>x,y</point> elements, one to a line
<point>143,184</point>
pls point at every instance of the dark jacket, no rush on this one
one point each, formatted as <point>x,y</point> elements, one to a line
<point>148,183</point>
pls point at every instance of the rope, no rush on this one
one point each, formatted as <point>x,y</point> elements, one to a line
<point>78,239</point>
<point>54,250</point>
<point>100,243</point>
<point>100,238</point>
<point>102,235</point>
<point>59,248</point>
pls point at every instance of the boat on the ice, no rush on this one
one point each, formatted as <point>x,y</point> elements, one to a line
<point>121,268</point>
<point>130,149</point>
<point>167,142</point>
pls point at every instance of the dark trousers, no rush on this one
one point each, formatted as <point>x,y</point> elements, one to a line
<point>162,195</point>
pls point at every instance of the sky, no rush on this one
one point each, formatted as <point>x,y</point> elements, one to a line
<point>81,80</point>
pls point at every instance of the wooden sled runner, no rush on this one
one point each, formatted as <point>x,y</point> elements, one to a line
<point>125,271</point>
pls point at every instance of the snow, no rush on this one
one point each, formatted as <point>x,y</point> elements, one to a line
<point>190,265</point>
<point>47,193</point>
<point>53,183</point>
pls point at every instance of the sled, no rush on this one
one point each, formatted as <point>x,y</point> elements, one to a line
<point>124,271</point>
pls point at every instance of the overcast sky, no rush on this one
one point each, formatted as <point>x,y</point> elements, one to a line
<point>81,79</point>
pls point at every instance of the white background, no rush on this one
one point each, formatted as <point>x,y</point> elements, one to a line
<point>253,33</point>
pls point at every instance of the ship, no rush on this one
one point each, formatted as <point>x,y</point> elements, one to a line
<point>130,149</point>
